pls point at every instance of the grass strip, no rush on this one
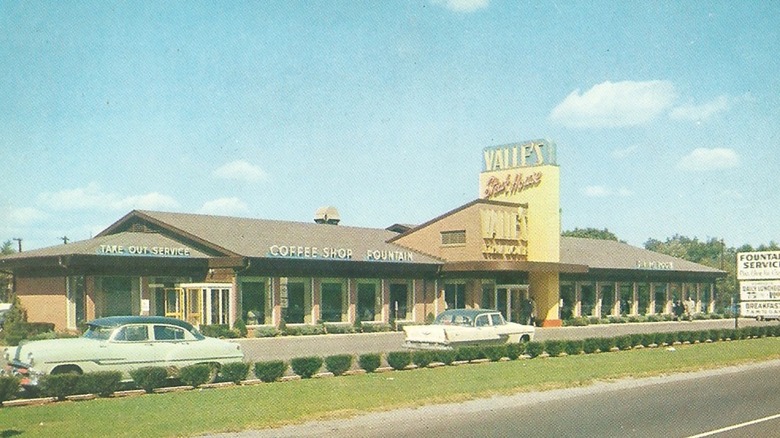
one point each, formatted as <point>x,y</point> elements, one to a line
<point>275,404</point>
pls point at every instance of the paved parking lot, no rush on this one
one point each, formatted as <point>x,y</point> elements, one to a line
<point>288,347</point>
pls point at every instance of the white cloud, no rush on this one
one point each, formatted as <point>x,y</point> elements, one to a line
<point>240,170</point>
<point>25,216</point>
<point>701,112</point>
<point>92,197</point>
<point>627,103</point>
<point>702,159</point>
<point>462,5</point>
<point>149,201</point>
<point>224,206</point>
<point>603,192</point>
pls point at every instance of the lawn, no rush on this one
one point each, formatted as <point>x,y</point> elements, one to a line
<point>267,405</point>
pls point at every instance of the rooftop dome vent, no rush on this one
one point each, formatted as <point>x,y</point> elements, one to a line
<point>327,215</point>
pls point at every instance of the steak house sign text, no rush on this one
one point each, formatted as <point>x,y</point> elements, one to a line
<point>512,156</point>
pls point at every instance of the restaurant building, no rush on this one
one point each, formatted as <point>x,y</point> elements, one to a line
<point>501,250</point>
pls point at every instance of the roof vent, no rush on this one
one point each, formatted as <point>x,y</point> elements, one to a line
<point>327,215</point>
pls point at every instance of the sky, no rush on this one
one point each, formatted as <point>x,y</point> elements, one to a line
<point>666,115</point>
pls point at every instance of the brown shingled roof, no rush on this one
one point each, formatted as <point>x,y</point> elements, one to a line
<point>611,254</point>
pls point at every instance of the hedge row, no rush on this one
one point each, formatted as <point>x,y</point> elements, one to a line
<point>150,378</point>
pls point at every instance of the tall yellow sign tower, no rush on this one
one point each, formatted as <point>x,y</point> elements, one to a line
<point>527,173</point>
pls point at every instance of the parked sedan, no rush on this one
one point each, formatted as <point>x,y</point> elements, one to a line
<point>120,343</point>
<point>457,327</point>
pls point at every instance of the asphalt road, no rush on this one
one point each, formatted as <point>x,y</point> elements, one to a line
<point>288,347</point>
<point>730,402</point>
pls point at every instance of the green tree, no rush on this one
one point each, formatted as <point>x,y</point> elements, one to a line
<point>712,253</point>
<point>590,233</point>
<point>5,279</point>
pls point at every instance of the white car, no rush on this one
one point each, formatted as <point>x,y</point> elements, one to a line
<point>459,327</point>
<point>120,343</point>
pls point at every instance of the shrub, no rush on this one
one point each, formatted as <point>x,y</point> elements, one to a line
<point>494,352</point>
<point>513,351</point>
<point>59,385</point>
<point>573,347</point>
<point>195,375</point>
<point>375,327</point>
<point>304,330</point>
<point>102,383</point>
<point>590,345</point>
<point>218,331</point>
<point>469,353</point>
<point>422,358</point>
<point>8,387</point>
<point>534,348</point>
<point>648,339</point>
<point>637,339</point>
<point>306,366</point>
<point>623,342</point>
<point>606,344</point>
<point>553,347</point>
<point>577,322</point>
<point>150,378</point>
<point>338,364</point>
<point>234,371</point>
<point>336,328</point>
<point>267,332</point>
<point>399,360</point>
<point>369,362</point>
<point>446,357</point>
<point>240,327</point>
<point>270,371</point>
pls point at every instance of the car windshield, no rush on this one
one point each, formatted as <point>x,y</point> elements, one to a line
<point>98,332</point>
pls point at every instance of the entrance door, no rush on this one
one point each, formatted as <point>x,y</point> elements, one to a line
<point>509,301</point>
<point>206,303</point>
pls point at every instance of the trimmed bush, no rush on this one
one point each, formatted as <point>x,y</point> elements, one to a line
<point>218,331</point>
<point>150,378</point>
<point>234,372</point>
<point>101,383</point>
<point>469,353</point>
<point>306,366</point>
<point>590,345</point>
<point>336,328</point>
<point>623,342</point>
<point>195,375</point>
<point>637,339</point>
<point>573,347</point>
<point>553,347</point>
<point>8,387</point>
<point>399,360</point>
<point>513,351</point>
<point>534,348</point>
<point>422,358</point>
<point>369,362</point>
<point>606,344</point>
<point>494,352</point>
<point>59,385</point>
<point>375,328</point>
<point>446,357</point>
<point>648,339</point>
<point>267,332</point>
<point>303,330</point>
<point>270,371</point>
<point>240,327</point>
<point>338,364</point>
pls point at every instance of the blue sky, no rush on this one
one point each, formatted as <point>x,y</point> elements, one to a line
<point>666,114</point>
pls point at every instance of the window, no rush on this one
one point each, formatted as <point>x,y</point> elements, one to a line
<point>399,301</point>
<point>253,299</point>
<point>453,237</point>
<point>455,295</point>
<point>296,302</point>
<point>497,319</point>
<point>332,302</point>
<point>132,333</point>
<point>168,333</point>
<point>366,301</point>
<point>482,321</point>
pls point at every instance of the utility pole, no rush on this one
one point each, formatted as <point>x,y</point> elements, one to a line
<point>19,241</point>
